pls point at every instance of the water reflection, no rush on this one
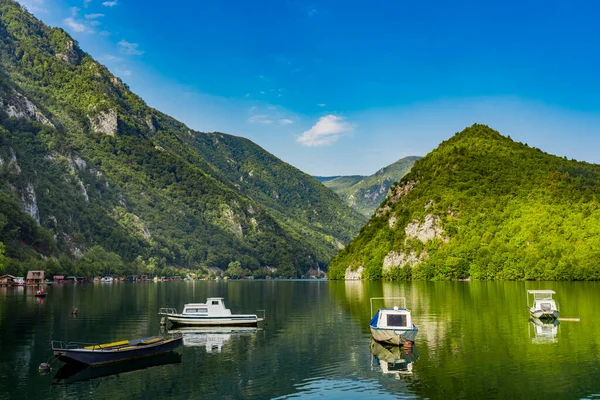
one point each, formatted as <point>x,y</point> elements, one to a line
<point>393,360</point>
<point>212,338</point>
<point>74,372</point>
<point>543,331</point>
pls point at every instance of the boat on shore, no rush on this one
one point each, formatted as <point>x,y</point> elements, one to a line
<point>393,325</point>
<point>98,354</point>
<point>211,313</point>
<point>543,306</point>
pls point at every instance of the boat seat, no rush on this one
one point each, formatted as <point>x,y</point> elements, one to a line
<point>150,341</point>
<point>107,345</point>
<point>546,306</point>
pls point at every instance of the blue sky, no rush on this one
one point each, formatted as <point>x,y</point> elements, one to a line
<point>347,87</point>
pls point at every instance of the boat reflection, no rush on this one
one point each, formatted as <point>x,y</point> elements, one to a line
<point>543,331</point>
<point>76,372</point>
<point>393,360</point>
<point>212,338</point>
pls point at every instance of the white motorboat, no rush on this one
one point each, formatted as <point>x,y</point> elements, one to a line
<point>543,305</point>
<point>393,325</point>
<point>211,313</point>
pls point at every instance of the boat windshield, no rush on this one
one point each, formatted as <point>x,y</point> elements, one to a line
<point>396,320</point>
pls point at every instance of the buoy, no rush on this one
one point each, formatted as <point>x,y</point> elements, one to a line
<point>163,321</point>
<point>45,368</point>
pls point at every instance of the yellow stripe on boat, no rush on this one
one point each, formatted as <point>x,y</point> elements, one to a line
<point>107,345</point>
<point>150,341</point>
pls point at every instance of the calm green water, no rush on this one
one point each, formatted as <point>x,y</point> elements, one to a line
<point>475,341</point>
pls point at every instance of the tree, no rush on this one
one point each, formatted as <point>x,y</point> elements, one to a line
<point>2,258</point>
<point>234,270</point>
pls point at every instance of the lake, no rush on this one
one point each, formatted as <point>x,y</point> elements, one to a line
<point>475,341</point>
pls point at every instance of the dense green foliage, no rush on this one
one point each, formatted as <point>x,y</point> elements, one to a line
<point>365,193</point>
<point>94,168</point>
<point>508,212</point>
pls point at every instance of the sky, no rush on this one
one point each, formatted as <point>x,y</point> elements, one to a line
<point>347,87</point>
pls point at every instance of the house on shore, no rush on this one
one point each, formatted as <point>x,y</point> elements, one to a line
<point>35,277</point>
<point>7,280</point>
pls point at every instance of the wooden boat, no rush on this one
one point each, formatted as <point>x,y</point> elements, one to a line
<point>211,313</point>
<point>542,305</point>
<point>40,293</point>
<point>77,372</point>
<point>393,325</point>
<point>96,354</point>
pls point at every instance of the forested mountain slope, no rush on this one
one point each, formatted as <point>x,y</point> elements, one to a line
<point>90,174</point>
<point>365,193</point>
<point>482,206</point>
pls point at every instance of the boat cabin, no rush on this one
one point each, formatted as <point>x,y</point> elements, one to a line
<point>394,318</point>
<point>214,306</point>
<point>542,300</point>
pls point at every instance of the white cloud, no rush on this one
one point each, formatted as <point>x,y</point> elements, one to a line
<point>74,11</point>
<point>247,95</point>
<point>285,121</point>
<point>110,3</point>
<point>130,48</point>
<point>123,72</point>
<point>312,12</point>
<point>271,107</point>
<point>262,92</point>
<point>77,26</point>
<point>326,131</point>
<point>34,5</point>
<point>252,109</point>
<point>110,57</point>
<point>321,105</point>
<point>93,16</point>
<point>260,119</point>
<point>86,2</point>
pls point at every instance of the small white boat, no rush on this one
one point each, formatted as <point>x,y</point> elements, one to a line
<point>393,325</point>
<point>211,313</point>
<point>107,279</point>
<point>543,305</point>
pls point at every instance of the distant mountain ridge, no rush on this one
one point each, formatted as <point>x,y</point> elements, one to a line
<point>365,193</point>
<point>481,206</point>
<point>86,165</point>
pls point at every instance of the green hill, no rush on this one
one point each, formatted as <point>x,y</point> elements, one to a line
<point>482,206</point>
<point>365,193</point>
<point>90,176</point>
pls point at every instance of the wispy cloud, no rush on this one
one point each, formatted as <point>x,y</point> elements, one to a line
<point>110,3</point>
<point>34,6</point>
<point>77,26</point>
<point>130,48</point>
<point>321,105</point>
<point>312,12</point>
<point>285,121</point>
<point>260,119</point>
<point>86,2</point>
<point>94,16</point>
<point>74,11</point>
<point>110,57</point>
<point>247,95</point>
<point>326,131</point>
<point>123,72</point>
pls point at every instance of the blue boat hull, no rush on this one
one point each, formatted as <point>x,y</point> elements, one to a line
<point>105,356</point>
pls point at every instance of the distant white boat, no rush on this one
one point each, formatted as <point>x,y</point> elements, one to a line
<point>211,313</point>
<point>107,279</point>
<point>543,305</point>
<point>393,325</point>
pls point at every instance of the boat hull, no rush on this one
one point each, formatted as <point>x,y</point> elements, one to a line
<point>241,320</point>
<point>106,356</point>
<point>396,337</point>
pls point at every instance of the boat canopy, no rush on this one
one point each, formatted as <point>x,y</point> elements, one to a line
<point>541,294</point>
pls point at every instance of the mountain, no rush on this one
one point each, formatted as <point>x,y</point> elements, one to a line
<point>91,176</point>
<point>482,206</point>
<point>365,193</point>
